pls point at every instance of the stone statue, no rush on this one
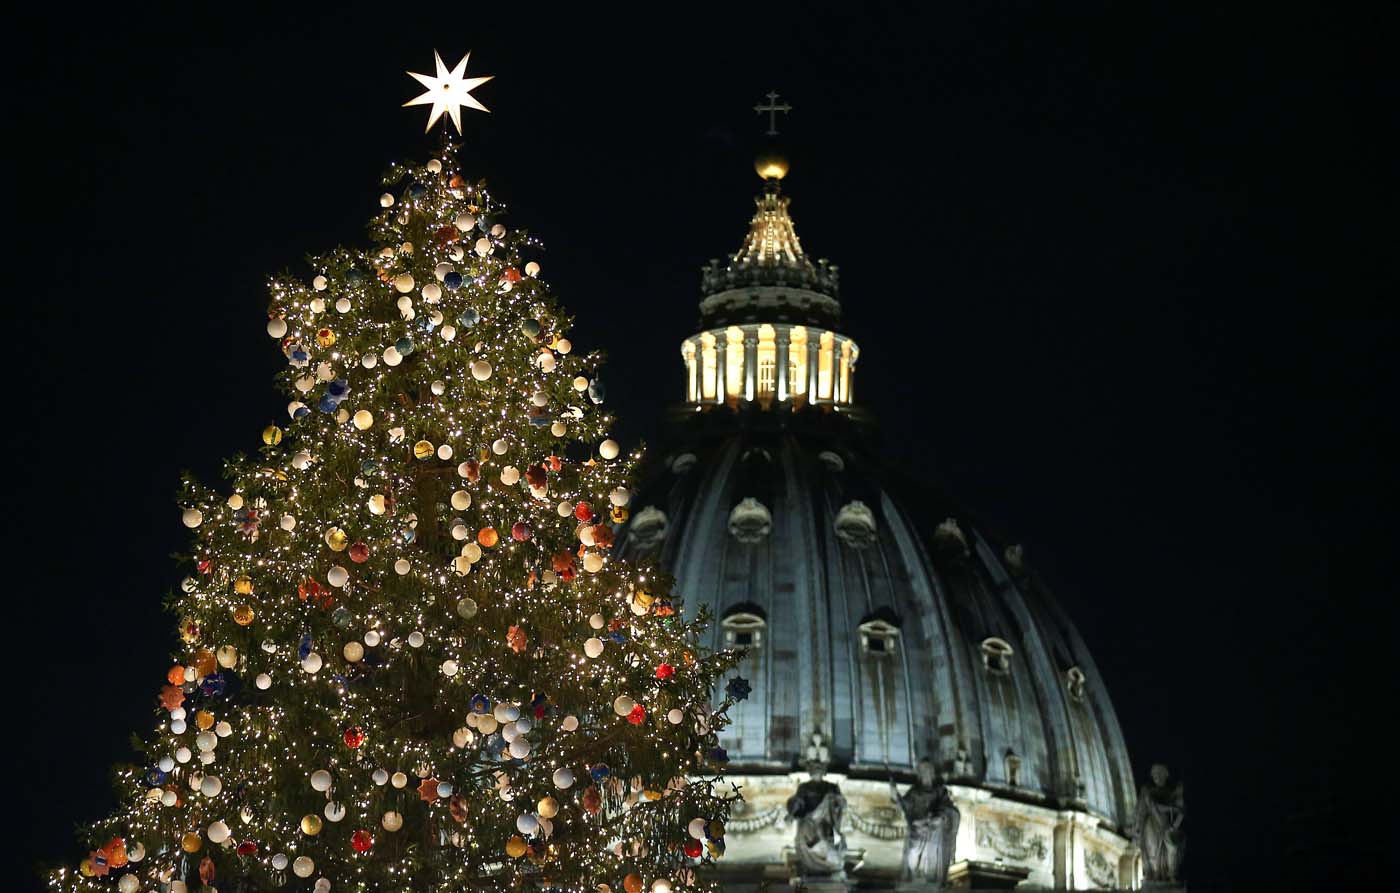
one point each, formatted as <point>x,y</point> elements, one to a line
<point>932,820</point>
<point>819,809</point>
<point>1158,827</point>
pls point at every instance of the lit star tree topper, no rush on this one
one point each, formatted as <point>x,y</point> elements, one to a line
<point>448,91</point>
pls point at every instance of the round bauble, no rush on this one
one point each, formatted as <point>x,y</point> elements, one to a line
<point>609,449</point>
<point>622,705</point>
<point>461,500</point>
<point>263,681</point>
<point>191,842</point>
<point>515,847</point>
<point>466,608</point>
<point>558,429</point>
<point>675,716</point>
<point>337,576</point>
<point>218,832</point>
<point>342,305</point>
<point>362,840</point>
<point>334,811</point>
<point>399,780</point>
<point>354,652</point>
<point>192,518</point>
<point>363,419</point>
<point>129,883</point>
<point>392,821</point>
<point>527,824</point>
<point>403,283</point>
<point>481,370</point>
<point>303,866</point>
<point>276,327</point>
<point>312,663</point>
<point>321,780</point>
<point>402,566</point>
<point>415,639</point>
<point>594,648</point>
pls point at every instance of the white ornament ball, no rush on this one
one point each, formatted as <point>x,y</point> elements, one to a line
<point>312,663</point>
<point>287,522</point>
<point>597,621</point>
<point>563,778</point>
<point>483,247</point>
<point>622,705</point>
<point>444,790</point>
<point>481,370</point>
<point>210,787</point>
<point>465,221</point>
<point>192,518</point>
<point>545,361</point>
<point>335,810</point>
<point>279,861</point>
<point>403,283</point>
<point>386,201</point>
<point>263,682</point>
<point>439,387</point>
<point>320,780</point>
<point>675,716</point>
<point>449,668</point>
<point>520,748</point>
<point>462,565</point>
<point>415,639</point>
<point>206,741</point>
<point>444,452</point>
<point>434,166</point>
<point>369,361</point>
<point>527,824</point>
<point>166,764</point>
<point>558,429</point>
<point>461,499</point>
<point>337,576</point>
<point>609,449</point>
<point>472,552</point>
<point>448,333</point>
<point>570,723</point>
<point>277,327</point>
<point>129,883</point>
<point>500,446</point>
<point>318,305</point>
<point>364,419</point>
<point>532,269</point>
<point>593,647</point>
<point>378,505</point>
<point>432,293</point>
<point>222,728</point>
<point>510,475</point>
<point>466,608</point>
<point>399,780</point>
<point>354,652</point>
<point>564,345</point>
<point>696,828</point>
<point>177,726</point>
<point>564,509</point>
<point>372,638</point>
<point>620,497</point>
<point>380,777</point>
<point>183,755</point>
<point>218,832</point>
<point>342,305</point>
<point>592,562</point>
<point>319,283</point>
<point>303,866</point>
<point>301,460</point>
<point>392,821</point>
<point>392,357</point>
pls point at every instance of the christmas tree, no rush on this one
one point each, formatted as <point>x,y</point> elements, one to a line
<point>407,660</point>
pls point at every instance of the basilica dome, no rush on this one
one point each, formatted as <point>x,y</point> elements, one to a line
<point>883,625</point>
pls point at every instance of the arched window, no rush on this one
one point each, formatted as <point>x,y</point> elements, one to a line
<point>996,656</point>
<point>879,638</point>
<point>743,627</point>
<point>708,365</point>
<point>797,362</point>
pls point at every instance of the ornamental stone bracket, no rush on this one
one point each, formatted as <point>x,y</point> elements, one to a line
<point>750,521</point>
<point>647,529</point>
<point>855,525</point>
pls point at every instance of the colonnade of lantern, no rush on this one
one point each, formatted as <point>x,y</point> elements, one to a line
<point>769,364</point>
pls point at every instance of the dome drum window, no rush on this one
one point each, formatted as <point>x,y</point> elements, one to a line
<point>771,365</point>
<point>996,656</point>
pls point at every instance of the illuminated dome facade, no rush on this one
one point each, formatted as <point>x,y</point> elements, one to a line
<point>883,624</point>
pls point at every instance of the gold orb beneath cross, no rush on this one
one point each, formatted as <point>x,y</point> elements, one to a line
<point>771,165</point>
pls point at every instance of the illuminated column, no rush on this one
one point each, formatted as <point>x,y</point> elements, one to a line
<point>780,341</point>
<point>696,362</point>
<point>814,343</point>
<point>750,361</point>
<point>721,361</point>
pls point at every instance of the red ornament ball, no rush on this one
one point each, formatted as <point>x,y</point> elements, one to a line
<point>638,714</point>
<point>362,840</point>
<point>359,553</point>
<point>665,671</point>
<point>520,531</point>
<point>354,736</point>
<point>247,848</point>
<point>582,511</point>
<point>692,848</point>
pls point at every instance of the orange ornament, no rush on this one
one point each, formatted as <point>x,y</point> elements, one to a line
<point>175,675</point>
<point>515,636</point>
<point>205,720</point>
<point>515,847</point>
<point>488,537</point>
<point>632,883</point>
<point>205,662</point>
<point>171,697</point>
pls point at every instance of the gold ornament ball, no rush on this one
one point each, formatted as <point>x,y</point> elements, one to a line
<point>548,807</point>
<point>771,166</point>
<point>515,847</point>
<point>337,539</point>
<point>325,337</point>
<point>191,842</point>
<point>422,450</point>
<point>243,615</point>
<point>272,435</point>
<point>311,824</point>
<point>243,585</point>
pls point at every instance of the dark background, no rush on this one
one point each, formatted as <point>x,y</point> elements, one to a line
<point>1115,269</point>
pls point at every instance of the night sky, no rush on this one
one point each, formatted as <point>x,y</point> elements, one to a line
<point>1115,270</point>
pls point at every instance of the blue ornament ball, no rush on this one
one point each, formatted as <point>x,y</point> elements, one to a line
<point>469,317</point>
<point>452,280</point>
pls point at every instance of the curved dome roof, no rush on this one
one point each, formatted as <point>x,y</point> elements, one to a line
<point>877,616</point>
